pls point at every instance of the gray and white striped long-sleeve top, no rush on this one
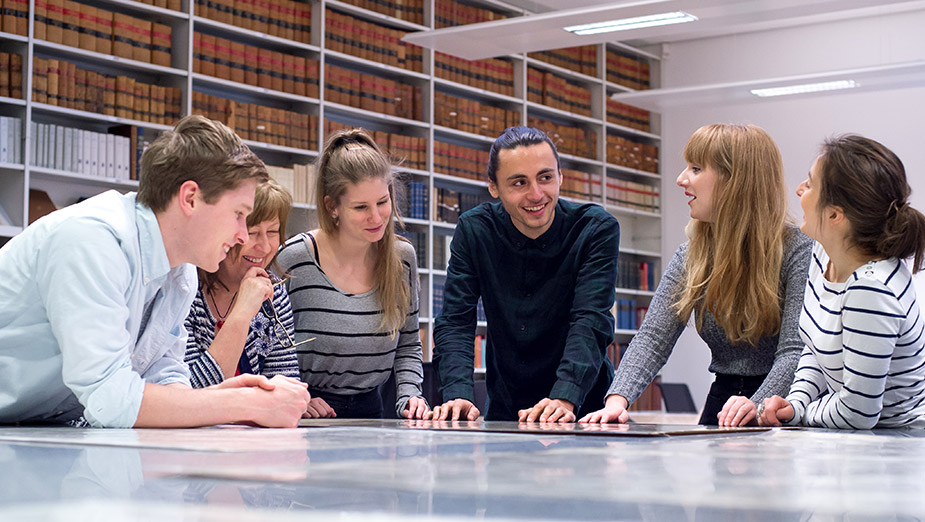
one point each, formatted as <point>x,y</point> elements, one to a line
<point>351,354</point>
<point>266,355</point>
<point>864,361</point>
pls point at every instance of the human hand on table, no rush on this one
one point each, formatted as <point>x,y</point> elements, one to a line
<point>614,410</point>
<point>416,409</point>
<point>738,411</point>
<point>548,410</point>
<point>775,411</point>
<point>456,409</point>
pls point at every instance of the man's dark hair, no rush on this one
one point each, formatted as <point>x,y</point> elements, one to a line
<point>514,137</point>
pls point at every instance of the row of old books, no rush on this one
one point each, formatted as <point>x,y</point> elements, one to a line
<point>250,65</point>
<point>481,344</point>
<point>633,154</point>
<point>371,41</point>
<point>94,29</point>
<point>406,151</point>
<point>10,139</point>
<point>61,83</point>
<point>173,5</point>
<point>416,200</point>
<point>417,239</point>
<point>494,74</point>
<point>460,161</point>
<point>11,75</point>
<point>448,13</point>
<point>628,116</point>
<point>615,352</point>
<point>580,185</point>
<point>281,18</point>
<point>14,17</point>
<point>408,10</point>
<point>554,91</point>
<point>299,180</point>
<point>81,151</point>
<point>573,140</point>
<point>260,123</point>
<point>441,251</point>
<point>581,59</point>
<point>637,275</point>
<point>633,195</point>
<point>627,70</point>
<point>372,93</point>
<point>472,116</point>
<point>450,203</point>
<point>628,315</point>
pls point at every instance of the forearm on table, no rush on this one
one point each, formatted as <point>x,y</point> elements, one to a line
<point>178,406</point>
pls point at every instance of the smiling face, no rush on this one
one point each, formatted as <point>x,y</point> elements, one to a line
<point>214,228</point>
<point>527,184</point>
<point>364,210</point>
<point>809,201</point>
<point>698,182</point>
<point>262,243</point>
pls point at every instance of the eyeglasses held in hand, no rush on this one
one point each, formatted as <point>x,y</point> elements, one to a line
<point>284,338</point>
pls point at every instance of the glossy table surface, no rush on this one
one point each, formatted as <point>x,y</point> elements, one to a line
<point>404,470</point>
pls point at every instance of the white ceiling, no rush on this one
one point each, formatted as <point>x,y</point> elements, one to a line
<point>544,31</point>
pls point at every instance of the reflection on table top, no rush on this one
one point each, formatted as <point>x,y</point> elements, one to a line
<point>632,429</point>
<point>391,470</point>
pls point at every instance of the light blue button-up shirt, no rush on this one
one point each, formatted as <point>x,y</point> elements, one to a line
<point>73,289</point>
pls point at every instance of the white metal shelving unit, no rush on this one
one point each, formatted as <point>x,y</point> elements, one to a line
<point>640,230</point>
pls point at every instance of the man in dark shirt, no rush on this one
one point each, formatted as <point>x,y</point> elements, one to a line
<point>545,270</point>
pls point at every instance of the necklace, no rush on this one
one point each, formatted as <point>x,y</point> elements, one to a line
<point>221,316</point>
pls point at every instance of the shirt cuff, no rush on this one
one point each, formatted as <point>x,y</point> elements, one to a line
<point>567,391</point>
<point>798,411</point>
<point>459,391</point>
<point>116,402</point>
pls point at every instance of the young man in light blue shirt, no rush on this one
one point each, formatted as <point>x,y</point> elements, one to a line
<point>93,297</point>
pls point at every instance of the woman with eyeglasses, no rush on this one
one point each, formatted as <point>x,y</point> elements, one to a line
<point>240,321</point>
<point>354,285</point>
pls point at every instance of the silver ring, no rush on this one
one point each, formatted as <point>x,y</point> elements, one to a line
<point>761,409</point>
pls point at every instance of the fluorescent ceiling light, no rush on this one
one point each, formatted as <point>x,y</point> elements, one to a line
<point>805,88</point>
<point>625,24</point>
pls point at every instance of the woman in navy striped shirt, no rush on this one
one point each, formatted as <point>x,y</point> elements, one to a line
<point>863,365</point>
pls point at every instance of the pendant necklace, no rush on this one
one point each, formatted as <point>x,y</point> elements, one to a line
<point>221,316</point>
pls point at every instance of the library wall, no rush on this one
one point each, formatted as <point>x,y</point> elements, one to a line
<point>82,96</point>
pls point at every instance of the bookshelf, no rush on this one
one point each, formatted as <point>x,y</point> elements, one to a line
<point>313,71</point>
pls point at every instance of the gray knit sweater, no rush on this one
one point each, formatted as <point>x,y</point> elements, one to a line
<point>776,355</point>
<point>350,354</point>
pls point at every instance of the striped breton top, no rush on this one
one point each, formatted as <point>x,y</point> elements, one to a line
<point>863,365</point>
<point>350,354</point>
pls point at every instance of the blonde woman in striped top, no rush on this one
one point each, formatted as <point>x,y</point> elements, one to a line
<point>354,287</point>
<point>863,365</point>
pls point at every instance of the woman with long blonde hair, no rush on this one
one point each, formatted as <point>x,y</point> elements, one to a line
<point>740,276</point>
<point>354,287</point>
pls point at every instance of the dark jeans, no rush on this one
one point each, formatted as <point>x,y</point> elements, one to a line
<point>723,387</point>
<point>360,406</point>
